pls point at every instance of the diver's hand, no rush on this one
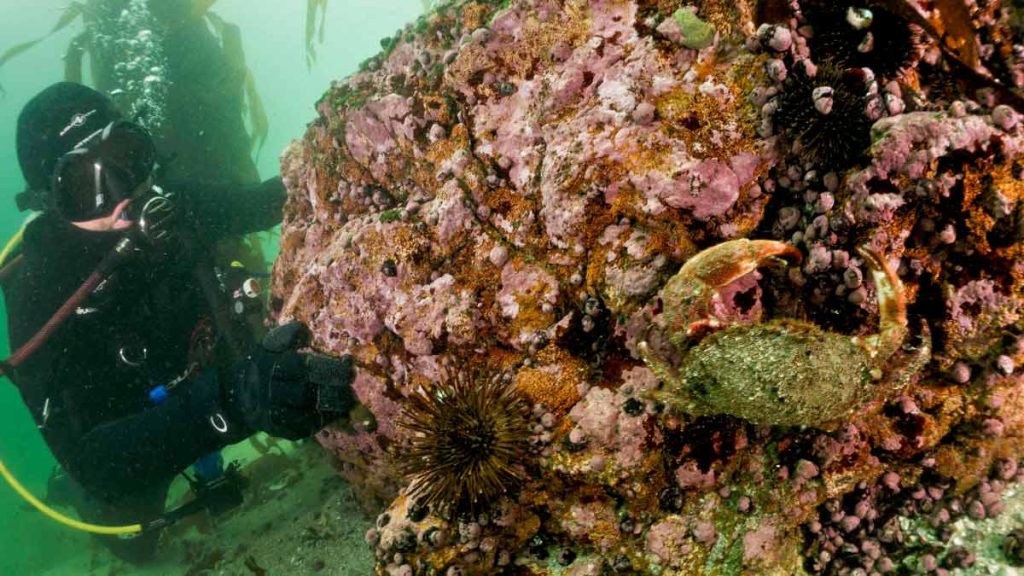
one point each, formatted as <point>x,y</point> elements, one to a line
<point>289,394</point>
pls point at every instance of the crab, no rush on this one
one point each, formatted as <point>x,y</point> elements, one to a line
<point>782,372</point>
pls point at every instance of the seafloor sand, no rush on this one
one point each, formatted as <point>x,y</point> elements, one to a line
<point>299,517</point>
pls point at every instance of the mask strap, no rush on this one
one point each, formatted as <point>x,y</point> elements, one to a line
<point>32,199</point>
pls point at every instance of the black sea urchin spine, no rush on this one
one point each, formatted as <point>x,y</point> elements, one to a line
<point>470,433</point>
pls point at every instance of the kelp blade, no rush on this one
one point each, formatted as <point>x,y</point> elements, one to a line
<point>201,7</point>
<point>959,31</point>
<point>69,15</point>
<point>242,79</point>
<point>258,122</point>
<point>314,9</point>
<point>73,59</point>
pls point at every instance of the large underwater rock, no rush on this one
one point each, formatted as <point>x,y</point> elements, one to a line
<point>509,185</point>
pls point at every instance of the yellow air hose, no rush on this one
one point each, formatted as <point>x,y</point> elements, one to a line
<point>16,239</point>
<point>17,486</point>
<point>57,516</point>
<point>11,244</point>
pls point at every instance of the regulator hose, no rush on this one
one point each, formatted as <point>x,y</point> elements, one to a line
<point>108,263</point>
<point>65,520</point>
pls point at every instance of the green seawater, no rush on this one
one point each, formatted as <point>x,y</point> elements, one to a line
<point>273,36</point>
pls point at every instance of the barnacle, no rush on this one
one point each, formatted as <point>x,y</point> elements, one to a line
<point>469,435</point>
<point>1013,547</point>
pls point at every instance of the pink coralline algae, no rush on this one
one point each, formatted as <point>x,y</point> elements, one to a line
<point>511,185</point>
<point>618,424</point>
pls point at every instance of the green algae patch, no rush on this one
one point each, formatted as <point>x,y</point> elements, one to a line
<point>390,215</point>
<point>696,33</point>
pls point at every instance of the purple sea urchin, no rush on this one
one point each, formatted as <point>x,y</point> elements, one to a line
<point>856,36</point>
<point>470,434</point>
<point>827,114</point>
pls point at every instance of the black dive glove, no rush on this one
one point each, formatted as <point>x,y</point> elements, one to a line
<point>288,394</point>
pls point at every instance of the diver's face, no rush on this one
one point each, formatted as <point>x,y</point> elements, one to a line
<point>120,218</point>
<point>93,183</point>
<point>112,222</point>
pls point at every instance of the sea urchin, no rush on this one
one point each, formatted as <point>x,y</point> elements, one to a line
<point>860,36</point>
<point>470,433</point>
<point>827,113</point>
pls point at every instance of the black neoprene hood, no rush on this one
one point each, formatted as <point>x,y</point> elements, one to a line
<point>53,122</point>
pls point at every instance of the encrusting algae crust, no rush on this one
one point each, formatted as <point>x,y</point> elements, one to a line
<point>510,185</point>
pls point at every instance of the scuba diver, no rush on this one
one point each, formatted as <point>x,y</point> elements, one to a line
<point>131,352</point>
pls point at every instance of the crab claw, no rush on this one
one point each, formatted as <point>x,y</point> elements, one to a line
<point>687,296</point>
<point>892,306</point>
<point>726,262</point>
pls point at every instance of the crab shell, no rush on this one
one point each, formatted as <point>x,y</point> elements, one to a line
<point>782,372</point>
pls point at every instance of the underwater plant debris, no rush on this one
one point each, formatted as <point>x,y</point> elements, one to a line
<point>514,184</point>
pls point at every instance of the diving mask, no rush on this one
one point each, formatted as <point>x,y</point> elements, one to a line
<point>107,167</point>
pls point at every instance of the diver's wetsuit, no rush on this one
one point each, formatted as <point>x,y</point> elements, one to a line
<point>133,333</point>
